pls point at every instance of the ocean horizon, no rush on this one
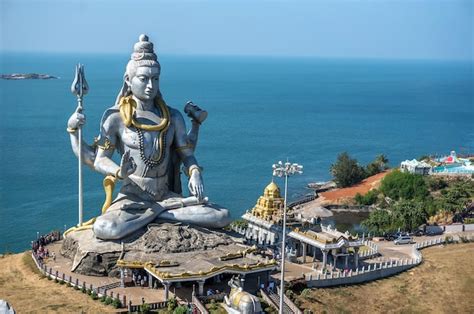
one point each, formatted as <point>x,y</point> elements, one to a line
<point>261,110</point>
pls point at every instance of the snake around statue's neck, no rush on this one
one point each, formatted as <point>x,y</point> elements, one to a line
<point>127,107</point>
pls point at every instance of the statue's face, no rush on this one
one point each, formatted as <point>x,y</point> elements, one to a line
<point>144,84</point>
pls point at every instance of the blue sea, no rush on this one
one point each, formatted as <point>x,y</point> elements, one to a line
<point>261,110</point>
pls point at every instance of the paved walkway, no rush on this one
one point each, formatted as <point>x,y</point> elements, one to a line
<point>387,249</point>
<point>135,294</point>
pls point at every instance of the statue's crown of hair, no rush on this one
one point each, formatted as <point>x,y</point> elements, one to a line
<point>143,50</point>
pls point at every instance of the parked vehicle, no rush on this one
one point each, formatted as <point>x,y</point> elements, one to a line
<point>418,233</point>
<point>394,235</point>
<point>403,239</point>
<point>434,232</point>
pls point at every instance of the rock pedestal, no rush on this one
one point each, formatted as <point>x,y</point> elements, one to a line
<point>157,242</point>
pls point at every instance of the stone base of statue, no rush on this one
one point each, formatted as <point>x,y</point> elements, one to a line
<point>178,249</point>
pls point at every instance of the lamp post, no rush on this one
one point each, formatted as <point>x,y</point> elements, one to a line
<point>284,170</point>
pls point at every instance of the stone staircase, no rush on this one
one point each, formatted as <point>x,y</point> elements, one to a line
<point>276,300</point>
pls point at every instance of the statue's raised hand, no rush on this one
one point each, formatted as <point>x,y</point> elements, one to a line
<point>76,120</point>
<point>195,185</point>
<point>127,165</point>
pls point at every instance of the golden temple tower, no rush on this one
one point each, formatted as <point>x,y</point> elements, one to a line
<point>270,205</point>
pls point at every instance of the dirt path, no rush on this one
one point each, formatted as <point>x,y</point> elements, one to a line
<point>27,292</point>
<point>442,284</point>
<point>338,196</point>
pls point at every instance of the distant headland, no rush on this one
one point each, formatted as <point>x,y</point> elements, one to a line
<point>27,76</point>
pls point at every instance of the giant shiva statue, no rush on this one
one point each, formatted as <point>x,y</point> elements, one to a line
<point>152,141</point>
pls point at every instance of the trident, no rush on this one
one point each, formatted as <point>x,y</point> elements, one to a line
<point>80,88</point>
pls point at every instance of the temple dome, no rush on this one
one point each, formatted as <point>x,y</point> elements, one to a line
<point>272,190</point>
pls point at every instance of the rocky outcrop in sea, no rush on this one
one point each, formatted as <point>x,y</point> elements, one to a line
<point>27,76</point>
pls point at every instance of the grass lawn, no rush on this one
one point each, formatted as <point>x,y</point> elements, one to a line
<point>23,286</point>
<point>443,283</point>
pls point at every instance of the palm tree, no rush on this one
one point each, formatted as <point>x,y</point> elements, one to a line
<point>382,160</point>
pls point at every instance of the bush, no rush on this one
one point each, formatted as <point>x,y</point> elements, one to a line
<point>468,220</point>
<point>49,278</point>
<point>94,295</point>
<point>346,171</point>
<point>306,293</point>
<point>61,282</point>
<point>213,306</point>
<point>145,308</point>
<point>270,310</point>
<point>89,291</point>
<point>181,310</point>
<point>83,289</point>
<point>290,294</point>
<point>436,184</point>
<point>116,303</point>
<point>172,304</point>
<point>76,288</point>
<point>108,301</point>
<point>56,280</point>
<point>448,240</point>
<point>102,299</point>
<point>369,198</point>
<point>239,223</point>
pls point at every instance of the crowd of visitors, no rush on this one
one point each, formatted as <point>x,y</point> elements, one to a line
<point>38,246</point>
<point>139,278</point>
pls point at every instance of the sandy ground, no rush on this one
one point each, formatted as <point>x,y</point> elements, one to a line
<point>442,284</point>
<point>28,292</point>
<point>316,208</point>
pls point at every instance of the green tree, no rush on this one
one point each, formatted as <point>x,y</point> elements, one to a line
<point>408,215</point>
<point>379,222</point>
<point>347,171</point>
<point>378,165</point>
<point>402,185</point>
<point>456,197</point>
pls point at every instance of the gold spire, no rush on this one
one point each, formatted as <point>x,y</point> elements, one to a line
<point>269,204</point>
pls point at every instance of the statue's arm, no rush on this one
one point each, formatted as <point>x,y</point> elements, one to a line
<point>186,154</point>
<point>103,162</point>
<point>77,120</point>
<point>110,129</point>
<point>183,146</point>
<point>106,142</point>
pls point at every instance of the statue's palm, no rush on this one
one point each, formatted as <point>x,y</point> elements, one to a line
<point>195,185</point>
<point>127,165</point>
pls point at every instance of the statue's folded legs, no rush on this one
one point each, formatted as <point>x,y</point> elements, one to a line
<point>117,224</point>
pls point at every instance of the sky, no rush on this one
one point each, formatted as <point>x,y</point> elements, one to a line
<point>395,29</point>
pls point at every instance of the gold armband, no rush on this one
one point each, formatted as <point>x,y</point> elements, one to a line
<point>184,147</point>
<point>107,145</point>
<point>117,174</point>
<point>71,130</point>
<point>194,167</point>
